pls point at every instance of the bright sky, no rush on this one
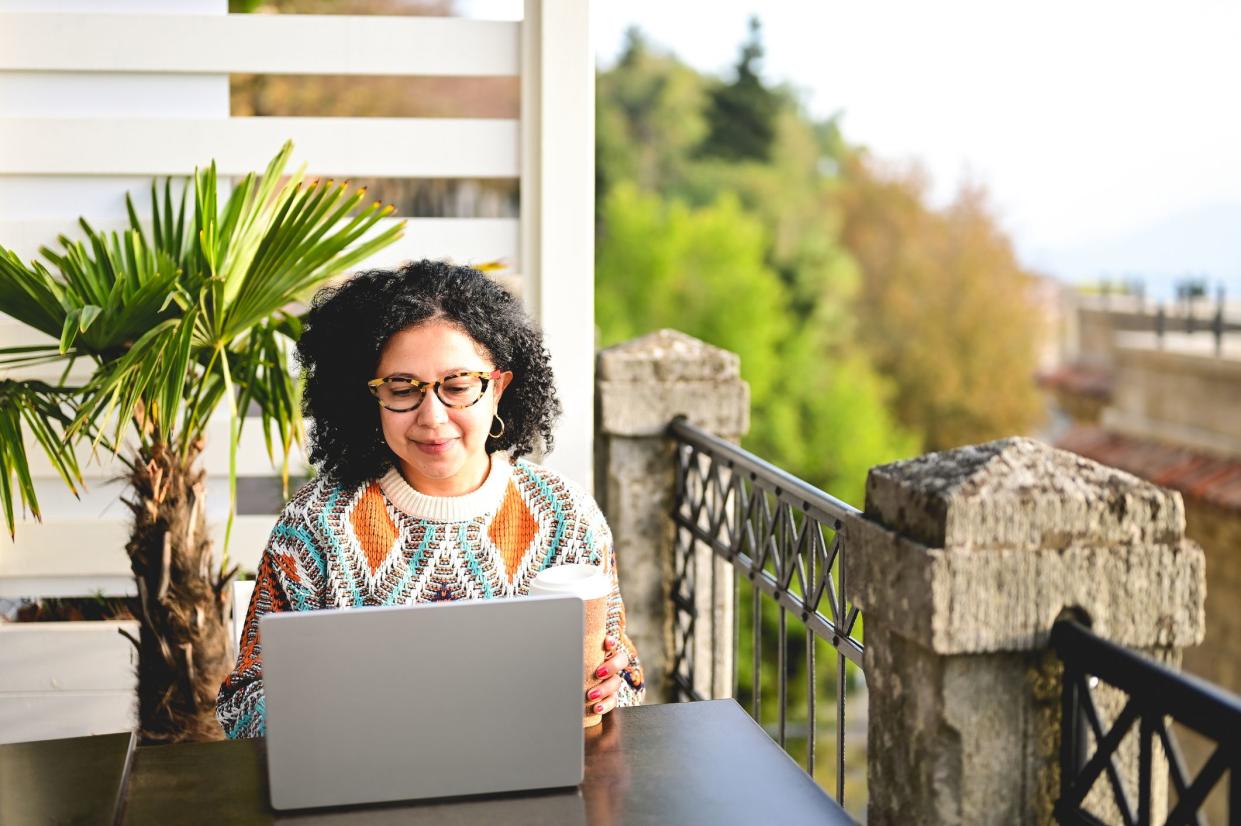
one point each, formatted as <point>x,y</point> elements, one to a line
<point>1107,131</point>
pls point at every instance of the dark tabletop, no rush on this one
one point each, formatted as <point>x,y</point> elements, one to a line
<point>72,781</point>
<point>685,763</point>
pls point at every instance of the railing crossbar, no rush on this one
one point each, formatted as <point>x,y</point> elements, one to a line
<point>824,627</point>
<point>1102,760</point>
<point>1176,762</point>
<point>686,688</point>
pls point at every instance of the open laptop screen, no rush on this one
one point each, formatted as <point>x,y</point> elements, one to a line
<point>432,700</point>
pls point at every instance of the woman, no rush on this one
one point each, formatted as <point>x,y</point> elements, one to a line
<point>426,386</point>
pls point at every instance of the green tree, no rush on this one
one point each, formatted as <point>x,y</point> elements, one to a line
<point>818,411</point>
<point>742,114</point>
<point>699,270</point>
<point>648,119</point>
<point>747,254</point>
<point>175,317</point>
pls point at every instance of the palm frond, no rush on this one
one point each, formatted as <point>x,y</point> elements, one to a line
<point>32,355</point>
<point>131,388</point>
<point>111,288</point>
<point>39,409</point>
<point>183,313</point>
<point>30,295</point>
<point>262,369</point>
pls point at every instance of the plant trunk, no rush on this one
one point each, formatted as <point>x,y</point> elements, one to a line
<point>184,646</point>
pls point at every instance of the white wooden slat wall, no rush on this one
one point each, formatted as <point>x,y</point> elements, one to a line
<point>337,147</point>
<point>260,44</point>
<point>69,74</point>
<point>96,96</point>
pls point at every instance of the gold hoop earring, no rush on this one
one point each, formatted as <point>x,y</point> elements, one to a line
<point>501,433</point>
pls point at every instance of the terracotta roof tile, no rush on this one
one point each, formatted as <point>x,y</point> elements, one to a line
<point>1079,380</point>
<point>1205,477</point>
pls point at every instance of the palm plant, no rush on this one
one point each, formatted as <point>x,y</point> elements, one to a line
<point>175,318</point>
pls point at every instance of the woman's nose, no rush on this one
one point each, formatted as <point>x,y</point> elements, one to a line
<point>432,410</point>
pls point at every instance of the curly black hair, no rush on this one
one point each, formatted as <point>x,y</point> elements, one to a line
<point>349,324</point>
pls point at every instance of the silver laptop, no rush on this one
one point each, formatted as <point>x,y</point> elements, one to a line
<point>442,699</point>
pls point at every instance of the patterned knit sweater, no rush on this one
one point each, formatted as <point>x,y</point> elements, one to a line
<point>383,543</point>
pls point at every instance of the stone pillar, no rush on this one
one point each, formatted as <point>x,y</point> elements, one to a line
<point>642,385</point>
<point>961,563</point>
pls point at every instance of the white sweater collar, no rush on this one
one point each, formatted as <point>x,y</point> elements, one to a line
<point>450,508</point>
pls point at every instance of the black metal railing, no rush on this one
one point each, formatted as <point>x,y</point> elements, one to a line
<point>1153,694</point>
<point>1192,312</point>
<point>783,537</point>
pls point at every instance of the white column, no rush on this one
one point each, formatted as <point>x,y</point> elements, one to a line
<point>557,212</point>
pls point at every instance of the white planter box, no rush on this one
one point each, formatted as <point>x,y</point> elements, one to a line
<point>66,679</point>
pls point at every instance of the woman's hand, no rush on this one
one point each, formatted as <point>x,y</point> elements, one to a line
<point>602,698</point>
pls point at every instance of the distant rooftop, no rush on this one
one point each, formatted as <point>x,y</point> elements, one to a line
<point>1198,475</point>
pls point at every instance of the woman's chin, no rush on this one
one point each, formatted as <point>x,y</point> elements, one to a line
<point>436,468</point>
<point>444,473</point>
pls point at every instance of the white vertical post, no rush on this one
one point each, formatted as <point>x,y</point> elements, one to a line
<point>557,212</point>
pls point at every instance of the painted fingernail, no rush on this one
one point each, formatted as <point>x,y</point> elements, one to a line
<point>598,708</point>
<point>595,694</point>
<point>601,671</point>
<point>609,642</point>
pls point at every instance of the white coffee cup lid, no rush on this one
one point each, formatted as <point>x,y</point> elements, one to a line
<point>574,578</point>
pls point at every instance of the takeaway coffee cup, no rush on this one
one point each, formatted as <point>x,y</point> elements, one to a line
<point>591,583</point>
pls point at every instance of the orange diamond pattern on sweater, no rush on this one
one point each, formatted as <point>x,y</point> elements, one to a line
<point>373,526</point>
<point>512,529</point>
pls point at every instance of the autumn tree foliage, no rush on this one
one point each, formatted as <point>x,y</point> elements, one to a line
<point>944,307</point>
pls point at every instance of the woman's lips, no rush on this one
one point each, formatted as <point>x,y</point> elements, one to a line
<point>434,448</point>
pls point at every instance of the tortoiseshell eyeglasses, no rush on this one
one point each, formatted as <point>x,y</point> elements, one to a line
<point>401,394</point>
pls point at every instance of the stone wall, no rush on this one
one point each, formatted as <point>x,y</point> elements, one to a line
<point>1181,398</point>
<point>1094,337</point>
<point>1218,659</point>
